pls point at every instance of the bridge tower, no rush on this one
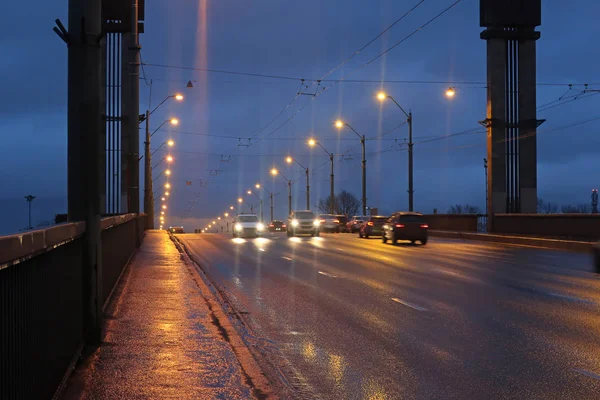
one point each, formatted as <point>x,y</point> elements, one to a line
<point>511,120</point>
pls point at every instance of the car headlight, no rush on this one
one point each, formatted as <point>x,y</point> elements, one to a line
<point>238,227</point>
<point>294,222</point>
<point>260,226</point>
<point>317,222</point>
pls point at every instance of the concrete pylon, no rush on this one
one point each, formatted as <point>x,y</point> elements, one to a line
<point>511,120</point>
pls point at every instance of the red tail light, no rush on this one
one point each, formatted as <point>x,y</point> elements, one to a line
<point>336,221</point>
<point>283,226</point>
<point>399,226</point>
<point>271,225</point>
<point>370,223</point>
<point>424,226</point>
<point>322,221</point>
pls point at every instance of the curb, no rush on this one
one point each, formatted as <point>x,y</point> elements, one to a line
<point>556,244</point>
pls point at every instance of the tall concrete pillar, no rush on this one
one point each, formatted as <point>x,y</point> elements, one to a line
<point>511,104</point>
<point>495,123</point>
<point>528,127</point>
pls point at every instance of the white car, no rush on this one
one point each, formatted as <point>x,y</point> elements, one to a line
<point>247,225</point>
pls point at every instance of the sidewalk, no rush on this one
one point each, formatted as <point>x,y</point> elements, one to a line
<point>161,341</point>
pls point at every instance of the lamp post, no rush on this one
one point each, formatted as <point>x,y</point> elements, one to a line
<point>242,201</point>
<point>258,186</point>
<point>148,197</point>
<point>382,96</point>
<point>313,143</point>
<point>29,199</point>
<point>340,124</point>
<point>275,172</point>
<point>148,200</point>
<point>261,203</point>
<point>290,160</point>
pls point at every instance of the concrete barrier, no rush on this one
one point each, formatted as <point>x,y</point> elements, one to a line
<point>557,244</point>
<point>452,222</point>
<point>569,226</point>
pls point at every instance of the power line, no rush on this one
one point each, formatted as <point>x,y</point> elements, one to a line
<point>342,80</point>
<point>373,40</point>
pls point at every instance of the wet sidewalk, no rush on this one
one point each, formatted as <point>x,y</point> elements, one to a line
<point>161,340</point>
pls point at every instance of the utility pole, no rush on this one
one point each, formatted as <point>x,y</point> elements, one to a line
<point>595,201</point>
<point>271,199</point>
<point>148,194</point>
<point>485,167</point>
<point>262,217</point>
<point>307,190</point>
<point>29,199</point>
<point>85,149</point>
<point>411,190</point>
<point>289,197</point>
<point>364,176</point>
<point>332,194</point>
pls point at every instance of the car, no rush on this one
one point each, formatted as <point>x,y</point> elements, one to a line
<point>355,223</point>
<point>329,223</point>
<point>176,229</point>
<point>247,225</point>
<point>303,222</point>
<point>597,257</point>
<point>343,221</point>
<point>405,226</point>
<point>277,226</point>
<point>372,227</point>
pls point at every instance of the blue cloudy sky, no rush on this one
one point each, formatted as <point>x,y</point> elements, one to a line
<point>304,39</point>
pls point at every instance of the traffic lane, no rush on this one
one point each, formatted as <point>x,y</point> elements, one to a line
<point>513,334</point>
<point>570,274</point>
<point>342,347</point>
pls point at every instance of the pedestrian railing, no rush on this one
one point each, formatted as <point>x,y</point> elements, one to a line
<point>42,292</point>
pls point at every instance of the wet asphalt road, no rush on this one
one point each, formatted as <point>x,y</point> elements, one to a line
<point>357,319</point>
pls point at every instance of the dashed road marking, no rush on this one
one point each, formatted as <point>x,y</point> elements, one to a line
<point>327,274</point>
<point>407,304</point>
<point>287,258</point>
<point>588,373</point>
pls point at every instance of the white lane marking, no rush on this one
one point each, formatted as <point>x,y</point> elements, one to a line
<point>457,275</point>
<point>407,304</point>
<point>286,258</point>
<point>588,373</point>
<point>564,296</point>
<point>327,274</point>
<point>339,248</point>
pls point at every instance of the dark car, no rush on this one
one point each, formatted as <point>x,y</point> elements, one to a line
<point>276,226</point>
<point>372,227</point>
<point>355,223</point>
<point>343,221</point>
<point>405,226</point>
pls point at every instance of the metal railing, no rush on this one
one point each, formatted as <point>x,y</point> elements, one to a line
<point>42,297</point>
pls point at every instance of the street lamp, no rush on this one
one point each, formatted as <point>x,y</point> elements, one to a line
<point>29,199</point>
<point>169,143</point>
<point>313,143</point>
<point>166,172</point>
<point>168,159</point>
<point>164,207</point>
<point>167,193</point>
<point>382,96</point>
<point>258,186</point>
<point>450,92</point>
<point>261,204</point>
<point>290,160</point>
<point>168,185</point>
<point>148,192</point>
<point>275,172</point>
<point>340,124</point>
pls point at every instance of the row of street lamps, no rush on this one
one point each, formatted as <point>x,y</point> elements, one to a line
<point>312,142</point>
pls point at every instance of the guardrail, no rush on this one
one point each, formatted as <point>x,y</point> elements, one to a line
<point>42,291</point>
<point>574,226</point>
